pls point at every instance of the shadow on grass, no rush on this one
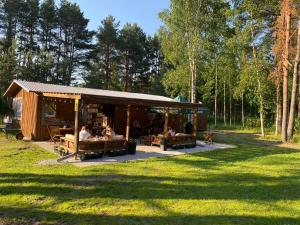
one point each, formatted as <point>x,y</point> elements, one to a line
<point>225,186</point>
<point>148,188</point>
<point>62,218</point>
<point>214,159</point>
<point>244,139</point>
<point>236,185</point>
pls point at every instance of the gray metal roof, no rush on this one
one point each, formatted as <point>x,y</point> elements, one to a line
<point>51,88</point>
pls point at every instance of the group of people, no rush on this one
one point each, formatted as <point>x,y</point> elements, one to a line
<point>86,134</point>
<point>108,132</point>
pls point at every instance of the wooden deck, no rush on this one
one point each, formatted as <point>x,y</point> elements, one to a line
<point>143,152</point>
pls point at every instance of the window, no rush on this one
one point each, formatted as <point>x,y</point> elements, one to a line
<point>17,107</point>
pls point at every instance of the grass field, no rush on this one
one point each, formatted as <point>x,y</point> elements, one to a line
<point>256,183</point>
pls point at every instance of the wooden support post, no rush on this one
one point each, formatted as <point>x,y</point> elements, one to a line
<point>76,127</point>
<point>166,121</point>
<point>128,123</point>
<point>195,122</point>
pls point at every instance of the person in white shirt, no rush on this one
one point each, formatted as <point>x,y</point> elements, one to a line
<point>110,132</point>
<point>84,134</point>
<point>7,121</point>
<point>171,132</point>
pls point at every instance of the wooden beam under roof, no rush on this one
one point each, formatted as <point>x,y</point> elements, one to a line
<point>142,102</point>
<point>59,95</point>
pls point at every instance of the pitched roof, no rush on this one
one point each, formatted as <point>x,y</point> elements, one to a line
<point>61,89</point>
<point>106,95</point>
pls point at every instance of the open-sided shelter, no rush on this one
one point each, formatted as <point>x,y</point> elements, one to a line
<point>37,105</point>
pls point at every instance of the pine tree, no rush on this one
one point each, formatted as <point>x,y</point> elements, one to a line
<point>74,42</point>
<point>48,23</point>
<point>8,66</point>
<point>28,35</point>
<point>9,14</point>
<point>132,55</point>
<point>105,61</point>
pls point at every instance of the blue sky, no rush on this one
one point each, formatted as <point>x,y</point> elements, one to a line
<point>142,12</point>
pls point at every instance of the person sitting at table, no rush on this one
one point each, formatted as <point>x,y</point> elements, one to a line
<point>171,132</point>
<point>84,134</point>
<point>108,132</point>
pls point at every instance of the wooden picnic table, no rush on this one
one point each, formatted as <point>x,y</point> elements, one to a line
<point>85,147</point>
<point>64,131</point>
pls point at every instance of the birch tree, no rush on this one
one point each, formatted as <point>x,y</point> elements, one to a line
<point>190,24</point>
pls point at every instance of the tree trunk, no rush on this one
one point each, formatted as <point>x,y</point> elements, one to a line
<point>126,72</point>
<point>278,110</point>
<point>58,54</point>
<point>290,128</point>
<point>107,66</point>
<point>299,99</point>
<point>224,100</point>
<point>194,78</point>
<point>285,78</point>
<point>261,109</point>
<point>230,102</point>
<point>216,94</point>
<point>243,112</point>
<point>193,68</point>
<point>261,100</point>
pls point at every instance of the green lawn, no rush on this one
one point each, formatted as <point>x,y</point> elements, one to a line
<point>256,183</point>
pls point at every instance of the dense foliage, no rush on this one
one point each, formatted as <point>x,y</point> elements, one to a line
<point>234,56</point>
<point>42,41</point>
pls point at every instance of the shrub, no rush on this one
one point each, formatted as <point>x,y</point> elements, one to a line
<point>296,125</point>
<point>253,122</point>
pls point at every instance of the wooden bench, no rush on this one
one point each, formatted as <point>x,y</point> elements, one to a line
<point>146,140</point>
<point>100,147</point>
<point>179,141</point>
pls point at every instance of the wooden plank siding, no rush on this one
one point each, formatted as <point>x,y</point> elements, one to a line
<point>30,114</point>
<point>34,128</point>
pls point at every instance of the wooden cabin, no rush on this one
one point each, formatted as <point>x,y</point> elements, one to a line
<point>37,105</point>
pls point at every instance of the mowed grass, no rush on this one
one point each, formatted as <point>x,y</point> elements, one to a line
<point>256,183</point>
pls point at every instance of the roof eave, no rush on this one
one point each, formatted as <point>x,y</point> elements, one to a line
<point>15,82</point>
<point>135,101</point>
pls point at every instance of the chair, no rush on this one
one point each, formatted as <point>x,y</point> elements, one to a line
<point>146,140</point>
<point>208,138</point>
<point>54,133</point>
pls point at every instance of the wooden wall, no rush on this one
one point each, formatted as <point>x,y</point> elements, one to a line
<point>33,127</point>
<point>29,123</point>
